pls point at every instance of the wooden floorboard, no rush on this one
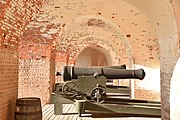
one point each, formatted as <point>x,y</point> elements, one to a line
<point>69,114</point>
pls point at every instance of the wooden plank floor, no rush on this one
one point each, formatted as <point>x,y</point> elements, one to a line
<point>69,114</point>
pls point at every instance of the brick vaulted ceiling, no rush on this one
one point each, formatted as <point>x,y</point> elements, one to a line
<point>143,30</point>
<point>46,25</point>
<point>15,16</point>
<point>57,17</point>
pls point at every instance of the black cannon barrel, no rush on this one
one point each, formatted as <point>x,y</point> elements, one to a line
<point>115,67</point>
<point>70,72</point>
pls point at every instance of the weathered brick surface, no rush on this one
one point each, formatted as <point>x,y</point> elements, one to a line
<point>147,94</point>
<point>8,83</point>
<point>57,34</point>
<point>14,17</point>
<point>149,87</point>
<point>35,79</point>
<point>70,34</point>
<point>36,66</point>
<point>16,14</point>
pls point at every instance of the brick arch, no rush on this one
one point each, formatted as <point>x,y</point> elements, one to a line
<point>98,42</point>
<point>118,54</point>
<point>84,23</point>
<point>162,17</point>
<point>94,56</point>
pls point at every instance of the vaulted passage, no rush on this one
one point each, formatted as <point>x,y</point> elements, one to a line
<point>39,37</point>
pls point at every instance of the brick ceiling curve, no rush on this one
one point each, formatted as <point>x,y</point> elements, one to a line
<point>80,26</point>
<point>137,22</point>
<point>51,20</point>
<point>100,44</point>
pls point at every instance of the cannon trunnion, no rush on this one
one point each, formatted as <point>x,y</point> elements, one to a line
<point>87,89</point>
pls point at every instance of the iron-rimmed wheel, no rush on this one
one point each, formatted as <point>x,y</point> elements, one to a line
<point>70,89</point>
<point>98,94</point>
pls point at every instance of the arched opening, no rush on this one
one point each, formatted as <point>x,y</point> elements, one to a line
<point>55,15</point>
<point>92,57</point>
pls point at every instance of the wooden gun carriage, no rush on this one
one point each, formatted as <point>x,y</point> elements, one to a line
<point>87,89</point>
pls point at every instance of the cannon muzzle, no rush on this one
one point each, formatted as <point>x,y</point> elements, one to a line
<point>70,72</point>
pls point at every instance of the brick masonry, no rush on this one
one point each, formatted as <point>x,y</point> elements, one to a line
<point>8,83</point>
<point>14,17</point>
<point>41,41</point>
<point>34,79</point>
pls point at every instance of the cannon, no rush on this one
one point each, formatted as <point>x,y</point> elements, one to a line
<point>91,81</point>
<point>70,73</point>
<point>86,87</point>
<point>97,67</point>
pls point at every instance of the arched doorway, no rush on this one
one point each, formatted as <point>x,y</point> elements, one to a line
<point>92,57</point>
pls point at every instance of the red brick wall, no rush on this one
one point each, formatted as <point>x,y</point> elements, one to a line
<point>147,94</point>
<point>14,17</point>
<point>149,87</point>
<point>35,79</point>
<point>8,83</point>
<point>36,71</point>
